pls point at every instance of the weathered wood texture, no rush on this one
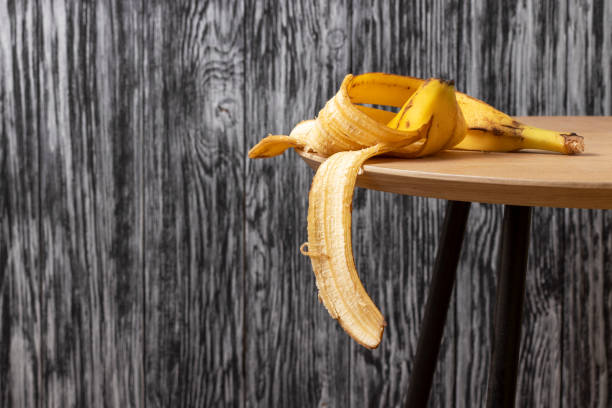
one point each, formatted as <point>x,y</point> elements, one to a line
<point>72,132</point>
<point>194,176</point>
<point>298,53</point>
<point>89,117</point>
<point>20,255</point>
<point>144,261</point>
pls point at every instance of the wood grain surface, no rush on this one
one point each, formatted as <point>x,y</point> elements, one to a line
<point>144,261</point>
<point>193,169</point>
<point>21,271</point>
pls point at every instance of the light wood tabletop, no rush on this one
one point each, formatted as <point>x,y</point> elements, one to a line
<point>527,178</point>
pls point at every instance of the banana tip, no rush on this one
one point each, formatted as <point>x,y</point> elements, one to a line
<point>574,143</point>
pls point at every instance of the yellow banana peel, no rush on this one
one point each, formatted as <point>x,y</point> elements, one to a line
<point>432,116</point>
<point>492,130</point>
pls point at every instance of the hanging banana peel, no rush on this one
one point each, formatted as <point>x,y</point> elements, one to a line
<point>432,117</point>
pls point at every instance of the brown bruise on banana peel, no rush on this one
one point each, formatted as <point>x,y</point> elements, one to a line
<point>495,131</point>
<point>330,247</point>
<point>401,121</point>
<point>512,129</point>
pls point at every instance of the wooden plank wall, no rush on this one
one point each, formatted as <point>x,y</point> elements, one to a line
<point>144,261</point>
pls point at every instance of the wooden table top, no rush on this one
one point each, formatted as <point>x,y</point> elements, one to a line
<point>521,178</point>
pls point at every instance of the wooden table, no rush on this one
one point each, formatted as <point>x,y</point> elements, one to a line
<point>520,181</point>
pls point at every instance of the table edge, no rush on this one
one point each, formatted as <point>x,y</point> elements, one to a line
<point>474,188</point>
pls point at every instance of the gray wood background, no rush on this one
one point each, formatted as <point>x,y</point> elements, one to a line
<point>144,261</point>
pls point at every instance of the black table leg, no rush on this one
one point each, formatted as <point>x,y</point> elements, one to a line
<point>509,307</point>
<point>440,291</point>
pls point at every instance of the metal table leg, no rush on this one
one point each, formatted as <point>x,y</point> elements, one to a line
<point>440,291</point>
<point>509,306</point>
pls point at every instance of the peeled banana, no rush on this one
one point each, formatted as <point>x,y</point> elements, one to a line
<point>432,116</point>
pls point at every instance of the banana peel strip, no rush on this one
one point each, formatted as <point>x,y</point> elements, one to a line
<point>330,247</point>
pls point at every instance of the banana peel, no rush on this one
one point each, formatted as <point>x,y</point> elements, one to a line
<point>432,117</point>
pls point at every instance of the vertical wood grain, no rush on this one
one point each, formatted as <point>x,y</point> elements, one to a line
<point>475,304</point>
<point>296,355</point>
<point>194,204</point>
<point>145,261</point>
<point>90,130</point>
<point>20,309</point>
<point>605,259</point>
<point>588,296</point>
<point>539,381</point>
